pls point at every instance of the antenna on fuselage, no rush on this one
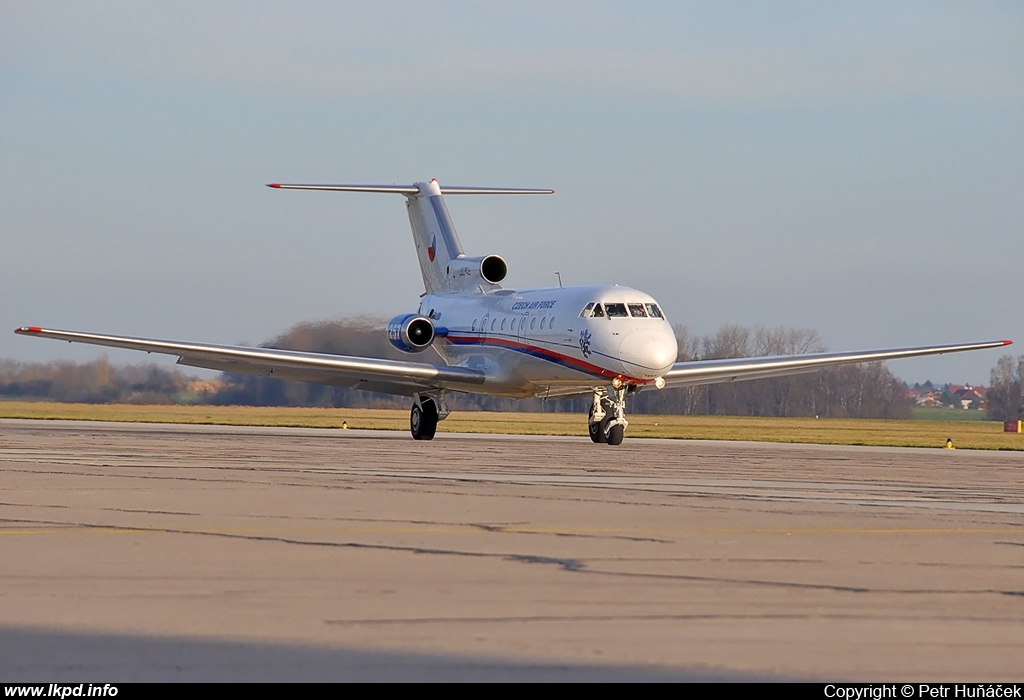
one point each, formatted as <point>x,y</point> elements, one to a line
<point>559,276</point>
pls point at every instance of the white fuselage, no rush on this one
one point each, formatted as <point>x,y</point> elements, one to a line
<point>544,342</point>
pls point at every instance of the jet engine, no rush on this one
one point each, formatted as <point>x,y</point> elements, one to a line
<point>489,268</point>
<point>411,332</point>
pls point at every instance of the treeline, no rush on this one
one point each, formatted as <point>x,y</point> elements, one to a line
<point>94,382</point>
<point>861,391</point>
<point>1006,389</point>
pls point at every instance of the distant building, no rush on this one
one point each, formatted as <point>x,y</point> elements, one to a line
<point>970,397</point>
<point>929,399</point>
<point>966,396</point>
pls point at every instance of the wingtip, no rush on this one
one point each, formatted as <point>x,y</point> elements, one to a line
<point>28,329</point>
<point>275,185</point>
<point>1007,342</point>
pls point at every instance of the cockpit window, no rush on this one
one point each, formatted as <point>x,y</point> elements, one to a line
<point>598,311</point>
<point>653,311</point>
<point>637,311</point>
<point>616,310</point>
<point>587,310</point>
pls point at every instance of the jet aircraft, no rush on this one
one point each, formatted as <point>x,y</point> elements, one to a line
<point>604,340</point>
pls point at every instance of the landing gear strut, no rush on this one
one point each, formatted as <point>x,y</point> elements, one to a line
<point>426,412</point>
<point>607,420</point>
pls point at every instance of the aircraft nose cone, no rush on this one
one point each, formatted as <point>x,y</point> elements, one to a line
<point>648,353</point>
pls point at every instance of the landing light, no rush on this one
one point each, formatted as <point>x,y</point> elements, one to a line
<point>617,383</point>
<point>660,382</point>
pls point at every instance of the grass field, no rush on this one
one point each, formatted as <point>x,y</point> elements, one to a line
<point>948,415</point>
<point>981,435</point>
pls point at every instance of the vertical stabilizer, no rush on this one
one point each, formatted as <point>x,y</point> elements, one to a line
<point>437,243</point>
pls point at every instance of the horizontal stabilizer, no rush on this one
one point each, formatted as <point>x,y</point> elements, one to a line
<point>437,244</point>
<point>410,189</point>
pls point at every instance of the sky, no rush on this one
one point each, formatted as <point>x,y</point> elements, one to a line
<point>853,168</point>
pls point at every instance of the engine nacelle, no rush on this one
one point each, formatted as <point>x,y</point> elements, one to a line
<point>469,271</point>
<point>411,332</point>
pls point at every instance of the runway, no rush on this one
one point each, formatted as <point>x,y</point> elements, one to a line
<point>169,552</point>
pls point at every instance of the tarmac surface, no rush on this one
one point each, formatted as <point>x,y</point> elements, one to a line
<point>136,552</point>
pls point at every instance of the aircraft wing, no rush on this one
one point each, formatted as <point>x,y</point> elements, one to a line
<point>371,374</point>
<point>740,369</point>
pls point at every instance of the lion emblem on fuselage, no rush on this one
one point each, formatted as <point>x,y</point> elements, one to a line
<point>585,342</point>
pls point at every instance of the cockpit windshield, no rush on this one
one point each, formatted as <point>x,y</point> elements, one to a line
<point>616,310</point>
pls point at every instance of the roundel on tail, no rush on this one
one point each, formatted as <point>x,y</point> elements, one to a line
<point>432,248</point>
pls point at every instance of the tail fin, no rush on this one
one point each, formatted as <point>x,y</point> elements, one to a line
<point>437,243</point>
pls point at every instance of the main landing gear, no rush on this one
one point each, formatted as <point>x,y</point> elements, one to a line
<point>426,412</point>
<point>607,420</point>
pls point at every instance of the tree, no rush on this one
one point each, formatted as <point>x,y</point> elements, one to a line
<point>1006,390</point>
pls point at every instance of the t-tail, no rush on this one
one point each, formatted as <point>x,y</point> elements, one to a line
<point>443,263</point>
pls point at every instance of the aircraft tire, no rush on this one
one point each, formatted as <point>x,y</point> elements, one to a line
<point>423,420</point>
<point>615,435</point>
<point>595,428</point>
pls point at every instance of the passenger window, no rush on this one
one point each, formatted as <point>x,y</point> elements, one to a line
<point>637,311</point>
<point>474,324</point>
<point>503,323</point>
<point>533,323</point>
<point>654,311</point>
<point>616,310</point>
<point>493,323</point>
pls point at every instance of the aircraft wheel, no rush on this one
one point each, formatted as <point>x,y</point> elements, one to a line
<point>615,435</point>
<point>595,428</point>
<point>423,420</point>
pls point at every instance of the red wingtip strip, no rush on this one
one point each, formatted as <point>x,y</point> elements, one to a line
<point>275,185</point>
<point>1007,342</point>
<point>29,329</point>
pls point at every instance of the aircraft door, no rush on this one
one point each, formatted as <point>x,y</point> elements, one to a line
<point>524,328</point>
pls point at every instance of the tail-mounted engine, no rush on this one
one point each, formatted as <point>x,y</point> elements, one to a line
<point>468,272</point>
<point>411,332</point>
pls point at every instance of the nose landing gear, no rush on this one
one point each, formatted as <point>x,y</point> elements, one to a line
<point>607,420</point>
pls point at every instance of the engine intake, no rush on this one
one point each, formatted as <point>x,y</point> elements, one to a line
<point>411,332</point>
